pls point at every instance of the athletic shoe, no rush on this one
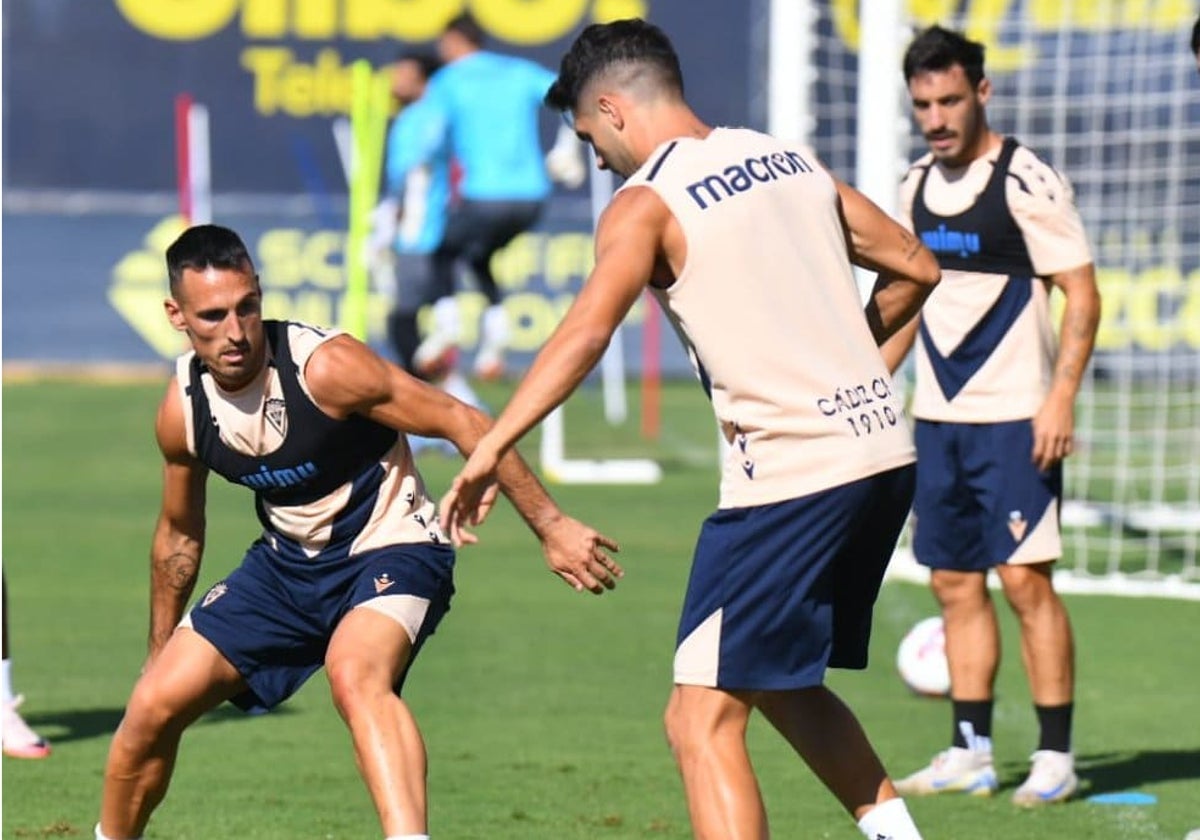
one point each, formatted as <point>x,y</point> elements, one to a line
<point>19,740</point>
<point>489,364</point>
<point>954,771</point>
<point>436,356</point>
<point>1052,779</point>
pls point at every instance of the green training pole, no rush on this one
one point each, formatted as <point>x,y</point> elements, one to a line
<point>368,124</point>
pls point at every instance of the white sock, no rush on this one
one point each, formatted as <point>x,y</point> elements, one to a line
<point>446,318</point>
<point>889,821</point>
<point>407,837</point>
<point>457,386</point>
<point>100,836</point>
<point>495,327</point>
<point>6,692</point>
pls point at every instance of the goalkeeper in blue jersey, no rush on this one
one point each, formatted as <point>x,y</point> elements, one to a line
<point>484,109</point>
<point>410,221</point>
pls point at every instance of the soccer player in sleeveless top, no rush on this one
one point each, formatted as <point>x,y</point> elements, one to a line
<point>994,408</point>
<point>747,242</point>
<point>352,571</point>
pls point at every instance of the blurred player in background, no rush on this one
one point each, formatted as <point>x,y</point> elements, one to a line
<point>351,571</point>
<point>748,244</point>
<point>411,217</point>
<point>19,740</point>
<point>410,221</point>
<point>1196,43</point>
<point>486,108</point>
<point>994,408</point>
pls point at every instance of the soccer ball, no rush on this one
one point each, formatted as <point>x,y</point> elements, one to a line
<point>921,658</point>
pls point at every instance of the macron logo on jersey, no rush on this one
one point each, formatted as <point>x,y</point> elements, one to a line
<point>944,241</point>
<point>740,177</point>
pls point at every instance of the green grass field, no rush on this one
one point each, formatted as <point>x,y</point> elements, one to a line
<point>540,707</point>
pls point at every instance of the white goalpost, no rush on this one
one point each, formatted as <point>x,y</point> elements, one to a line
<point>1106,97</point>
<point>556,465</point>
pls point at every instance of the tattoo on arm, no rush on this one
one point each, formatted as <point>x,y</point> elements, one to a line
<point>179,570</point>
<point>1078,335</point>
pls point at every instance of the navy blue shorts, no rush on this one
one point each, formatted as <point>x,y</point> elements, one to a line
<point>780,592</point>
<point>273,618</point>
<point>980,500</point>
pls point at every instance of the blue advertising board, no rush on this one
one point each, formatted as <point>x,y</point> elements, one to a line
<point>90,151</point>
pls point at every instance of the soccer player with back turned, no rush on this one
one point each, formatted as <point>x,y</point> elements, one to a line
<point>747,243</point>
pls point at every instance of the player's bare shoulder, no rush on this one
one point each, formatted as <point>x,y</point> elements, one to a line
<point>343,376</point>
<point>1031,179</point>
<point>912,178</point>
<point>170,424</point>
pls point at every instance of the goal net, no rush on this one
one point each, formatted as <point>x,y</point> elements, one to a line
<point>1106,91</point>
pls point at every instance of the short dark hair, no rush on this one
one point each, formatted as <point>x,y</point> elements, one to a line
<point>424,59</point>
<point>206,246</point>
<point>1196,38</point>
<point>466,26</point>
<point>940,49</point>
<point>603,46</point>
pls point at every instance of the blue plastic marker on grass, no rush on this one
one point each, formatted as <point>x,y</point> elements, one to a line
<point>1124,797</point>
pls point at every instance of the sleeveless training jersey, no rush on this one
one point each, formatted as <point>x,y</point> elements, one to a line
<point>767,307</point>
<point>986,345</point>
<point>324,488</point>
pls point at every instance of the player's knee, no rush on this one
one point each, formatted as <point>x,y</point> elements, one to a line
<point>1029,588</point>
<point>150,714</point>
<point>696,722</point>
<point>353,682</point>
<point>676,728</point>
<point>959,589</point>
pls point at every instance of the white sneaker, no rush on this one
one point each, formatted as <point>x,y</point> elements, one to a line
<point>1052,779</point>
<point>19,740</point>
<point>489,364</point>
<point>494,338</point>
<point>954,771</point>
<point>436,356</point>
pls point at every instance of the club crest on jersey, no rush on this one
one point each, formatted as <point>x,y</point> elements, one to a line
<point>275,410</point>
<point>1017,524</point>
<point>383,582</point>
<point>213,594</point>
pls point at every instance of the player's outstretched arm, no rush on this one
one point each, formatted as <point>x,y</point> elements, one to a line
<point>628,242</point>
<point>179,532</point>
<point>908,271</point>
<point>345,376</point>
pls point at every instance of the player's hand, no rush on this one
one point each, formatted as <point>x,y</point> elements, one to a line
<point>576,553</point>
<point>1053,431</point>
<point>470,498</point>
